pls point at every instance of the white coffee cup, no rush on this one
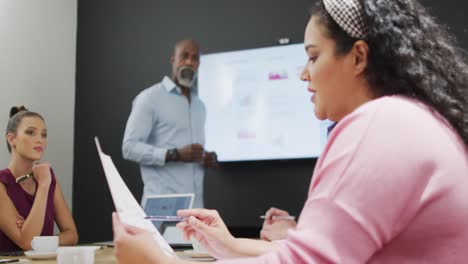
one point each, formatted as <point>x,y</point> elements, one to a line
<point>197,247</point>
<point>75,255</point>
<point>45,243</point>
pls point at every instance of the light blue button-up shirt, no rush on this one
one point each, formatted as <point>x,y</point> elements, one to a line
<point>161,119</point>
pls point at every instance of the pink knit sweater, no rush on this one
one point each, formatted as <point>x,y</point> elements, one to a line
<point>390,187</point>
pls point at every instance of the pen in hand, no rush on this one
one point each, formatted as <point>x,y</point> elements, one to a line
<point>166,218</point>
<point>280,217</point>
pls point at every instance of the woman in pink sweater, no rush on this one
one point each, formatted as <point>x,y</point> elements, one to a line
<point>391,184</point>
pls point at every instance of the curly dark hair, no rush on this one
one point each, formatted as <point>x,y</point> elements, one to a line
<point>410,54</point>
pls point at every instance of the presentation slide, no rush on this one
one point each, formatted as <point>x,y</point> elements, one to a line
<point>257,106</point>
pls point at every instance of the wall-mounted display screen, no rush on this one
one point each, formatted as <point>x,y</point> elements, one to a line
<point>257,106</point>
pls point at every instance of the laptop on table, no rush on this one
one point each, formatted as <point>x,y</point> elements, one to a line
<point>167,205</point>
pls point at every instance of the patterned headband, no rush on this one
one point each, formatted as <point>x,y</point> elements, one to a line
<point>348,15</point>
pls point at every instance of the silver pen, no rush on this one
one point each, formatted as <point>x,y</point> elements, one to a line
<point>166,218</point>
<point>280,217</point>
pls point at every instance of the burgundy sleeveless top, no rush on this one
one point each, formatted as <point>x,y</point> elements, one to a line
<point>23,202</point>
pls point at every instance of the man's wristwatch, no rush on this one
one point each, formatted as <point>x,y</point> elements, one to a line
<point>173,154</point>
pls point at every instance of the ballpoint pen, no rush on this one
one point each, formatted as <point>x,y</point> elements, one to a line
<point>166,218</point>
<point>280,217</point>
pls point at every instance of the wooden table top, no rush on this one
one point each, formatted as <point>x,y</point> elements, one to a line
<point>103,256</point>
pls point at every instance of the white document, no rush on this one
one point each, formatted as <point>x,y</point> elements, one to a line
<point>127,207</point>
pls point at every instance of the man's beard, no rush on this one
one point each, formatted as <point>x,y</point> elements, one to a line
<point>186,76</point>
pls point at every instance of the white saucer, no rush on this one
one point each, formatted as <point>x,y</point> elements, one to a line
<point>40,255</point>
<point>197,254</point>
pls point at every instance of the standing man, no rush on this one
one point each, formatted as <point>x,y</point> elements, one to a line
<point>165,130</point>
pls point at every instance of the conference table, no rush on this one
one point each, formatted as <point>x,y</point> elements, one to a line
<point>105,255</point>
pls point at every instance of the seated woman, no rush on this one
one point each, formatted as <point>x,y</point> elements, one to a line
<point>390,185</point>
<point>31,207</point>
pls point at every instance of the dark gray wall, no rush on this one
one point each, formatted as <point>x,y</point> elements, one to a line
<point>124,47</point>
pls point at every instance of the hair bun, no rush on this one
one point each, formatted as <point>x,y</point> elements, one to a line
<point>16,109</point>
